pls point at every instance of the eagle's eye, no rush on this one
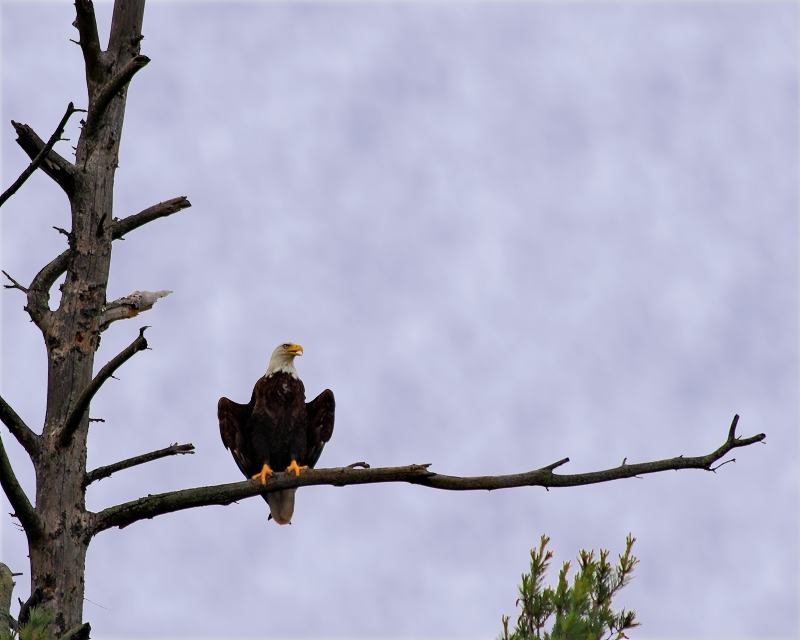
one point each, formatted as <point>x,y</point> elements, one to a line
<point>286,346</point>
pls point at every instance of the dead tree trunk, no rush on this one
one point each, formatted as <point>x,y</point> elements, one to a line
<point>59,528</point>
<point>59,542</point>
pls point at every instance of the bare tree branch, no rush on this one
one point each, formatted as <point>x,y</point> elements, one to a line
<point>58,168</point>
<point>145,508</point>
<point>14,284</point>
<point>86,23</point>
<point>103,98</point>
<point>40,156</point>
<point>80,632</point>
<point>39,291</point>
<point>129,306</point>
<point>21,431</point>
<point>126,27</point>
<point>23,510</point>
<point>77,413</point>
<point>160,210</point>
<point>105,472</point>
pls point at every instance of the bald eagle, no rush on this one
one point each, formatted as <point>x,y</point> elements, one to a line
<point>277,430</point>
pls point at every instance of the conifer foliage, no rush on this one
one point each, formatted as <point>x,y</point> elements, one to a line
<point>581,611</point>
<point>34,628</point>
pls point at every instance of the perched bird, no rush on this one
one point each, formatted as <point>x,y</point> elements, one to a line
<point>277,430</point>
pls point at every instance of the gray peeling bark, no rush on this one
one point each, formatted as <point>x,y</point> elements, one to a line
<point>59,528</point>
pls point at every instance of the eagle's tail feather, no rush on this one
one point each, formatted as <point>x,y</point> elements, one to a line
<point>281,505</point>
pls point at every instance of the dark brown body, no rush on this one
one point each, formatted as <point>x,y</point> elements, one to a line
<point>277,425</point>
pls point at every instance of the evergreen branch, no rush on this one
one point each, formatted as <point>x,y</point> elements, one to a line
<point>105,472</point>
<point>86,23</point>
<point>73,421</point>
<point>160,210</point>
<point>102,99</point>
<point>54,165</point>
<point>154,505</point>
<point>23,510</point>
<point>21,431</point>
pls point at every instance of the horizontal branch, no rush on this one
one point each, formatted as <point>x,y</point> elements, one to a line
<point>105,472</point>
<point>129,306</point>
<point>23,510</point>
<point>151,506</point>
<point>100,102</point>
<point>39,156</point>
<point>160,210</point>
<point>73,421</point>
<point>21,431</point>
<point>58,168</point>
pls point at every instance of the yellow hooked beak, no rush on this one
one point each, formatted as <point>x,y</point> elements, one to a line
<point>294,350</point>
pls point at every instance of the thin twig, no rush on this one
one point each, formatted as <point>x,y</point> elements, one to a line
<point>721,464</point>
<point>14,284</point>
<point>40,156</point>
<point>73,421</point>
<point>151,506</point>
<point>105,472</point>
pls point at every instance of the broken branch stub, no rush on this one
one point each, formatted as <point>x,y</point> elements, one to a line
<point>130,306</point>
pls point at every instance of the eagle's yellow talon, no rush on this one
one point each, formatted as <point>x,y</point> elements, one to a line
<point>262,475</point>
<point>295,468</point>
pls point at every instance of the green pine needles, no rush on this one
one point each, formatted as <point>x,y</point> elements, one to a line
<point>581,611</point>
<point>34,629</point>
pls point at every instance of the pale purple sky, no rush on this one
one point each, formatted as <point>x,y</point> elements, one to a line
<point>505,233</point>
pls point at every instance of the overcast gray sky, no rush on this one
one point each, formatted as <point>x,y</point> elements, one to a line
<point>505,233</point>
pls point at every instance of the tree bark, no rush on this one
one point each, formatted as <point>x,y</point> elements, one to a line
<point>72,332</point>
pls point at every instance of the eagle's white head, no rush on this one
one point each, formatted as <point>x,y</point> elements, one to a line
<point>282,359</point>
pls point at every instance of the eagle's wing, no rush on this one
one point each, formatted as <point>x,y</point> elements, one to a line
<point>321,411</point>
<point>232,420</point>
